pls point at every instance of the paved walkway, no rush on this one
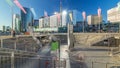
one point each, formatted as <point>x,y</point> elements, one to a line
<point>65,55</point>
<point>94,57</point>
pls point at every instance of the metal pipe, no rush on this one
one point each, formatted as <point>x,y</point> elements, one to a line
<point>106,65</point>
<point>12,60</point>
<point>92,64</point>
<point>59,51</point>
<point>15,44</point>
<point>1,43</point>
<point>119,28</point>
<point>61,13</point>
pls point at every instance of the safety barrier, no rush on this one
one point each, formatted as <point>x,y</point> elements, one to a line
<point>30,62</point>
<point>26,43</point>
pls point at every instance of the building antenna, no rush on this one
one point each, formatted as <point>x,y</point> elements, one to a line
<point>61,13</point>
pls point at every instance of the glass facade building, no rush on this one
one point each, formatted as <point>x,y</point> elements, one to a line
<point>76,15</point>
<point>36,24</point>
<point>26,20</point>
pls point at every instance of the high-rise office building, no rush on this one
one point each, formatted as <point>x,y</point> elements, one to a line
<point>3,28</point>
<point>64,19</point>
<point>53,21</point>
<point>16,22</point>
<point>26,20</point>
<point>76,16</point>
<point>113,14</point>
<point>46,22</point>
<point>41,22</point>
<point>6,28</point>
<point>94,20</point>
<point>36,24</point>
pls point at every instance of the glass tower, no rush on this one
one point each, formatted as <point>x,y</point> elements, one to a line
<point>26,20</point>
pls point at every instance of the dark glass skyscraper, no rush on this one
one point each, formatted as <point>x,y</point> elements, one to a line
<point>26,20</point>
<point>36,24</point>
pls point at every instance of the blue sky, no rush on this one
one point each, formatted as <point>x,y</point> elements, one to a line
<point>90,6</point>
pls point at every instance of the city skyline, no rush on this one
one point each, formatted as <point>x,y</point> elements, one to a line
<point>90,7</point>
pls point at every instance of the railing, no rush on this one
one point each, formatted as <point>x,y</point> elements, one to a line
<point>98,39</point>
<point>19,44</point>
<point>95,64</point>
<point>30,62</point>
<point>103,64</point>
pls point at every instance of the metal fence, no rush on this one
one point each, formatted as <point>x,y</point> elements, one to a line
<point>47,62</point>
<point>30,62</point>
<point>95,64</point>
<point>20,43</point>
<point>105,65</point>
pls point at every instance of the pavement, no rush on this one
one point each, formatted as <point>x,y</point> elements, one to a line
<point>91,57</point>
<point>65,55</point>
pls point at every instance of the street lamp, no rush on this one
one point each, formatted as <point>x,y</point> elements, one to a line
<point>55,13</point>
<point>64,12</point>
<point>61,13</point>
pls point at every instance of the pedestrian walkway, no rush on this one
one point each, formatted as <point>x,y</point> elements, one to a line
<point>65,55</point>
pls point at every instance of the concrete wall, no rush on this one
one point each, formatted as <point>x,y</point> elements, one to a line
<point>90,39</point>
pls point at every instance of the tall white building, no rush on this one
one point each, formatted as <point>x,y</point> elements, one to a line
<point>64,19</point>
<point>47,22</point>
<point>113,14</point>
<point>16,22</point>
<point>53,21</point>
<point>94,20</point>
<point>41,23</point>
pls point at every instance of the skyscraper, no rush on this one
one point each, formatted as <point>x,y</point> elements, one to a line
<point>64,19</point>
<point>76,15</point>
<point>94,20</point>
<point>46,22</point>
<point>3,28</point>
<point>26,20</point>
<point>36,23</point>
<point>41,22</point>
<point>16,22</point>
<point>53,21</point>
<point>113,14</point>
